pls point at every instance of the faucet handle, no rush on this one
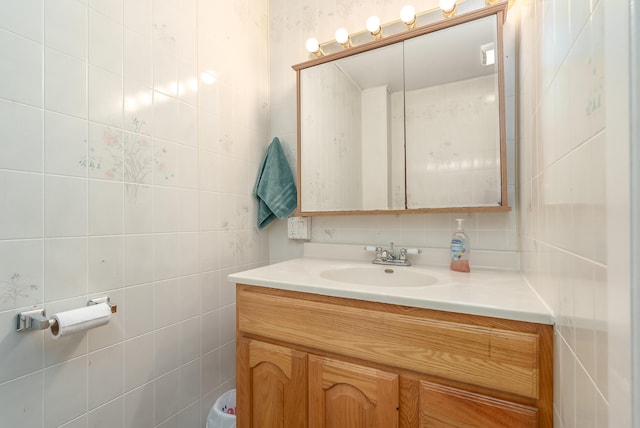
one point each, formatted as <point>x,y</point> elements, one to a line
<point>405,251</point>
<point>377,250</point>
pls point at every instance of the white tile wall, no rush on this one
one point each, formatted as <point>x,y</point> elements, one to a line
<point>22,73</point>
<point>104,125</point>
<point>562,194</point>
<point>24,152</point>
<point>65,84</point>
<point>111,181</point>
<point>65,391</point>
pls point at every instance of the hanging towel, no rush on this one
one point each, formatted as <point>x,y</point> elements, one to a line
<point>275,186</point>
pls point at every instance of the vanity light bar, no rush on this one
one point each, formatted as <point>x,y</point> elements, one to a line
<point>408,16</point>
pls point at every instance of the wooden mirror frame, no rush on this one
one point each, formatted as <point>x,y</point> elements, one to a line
<point>499,10</point>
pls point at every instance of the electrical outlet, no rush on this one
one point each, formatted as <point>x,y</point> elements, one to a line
<point>299,228</point>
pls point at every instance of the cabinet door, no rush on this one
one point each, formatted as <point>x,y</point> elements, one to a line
<point>445,407</point>
<point>349,395</point>
<point>272,386</point>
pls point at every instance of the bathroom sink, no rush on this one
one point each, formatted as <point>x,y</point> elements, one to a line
<point>382,276</point>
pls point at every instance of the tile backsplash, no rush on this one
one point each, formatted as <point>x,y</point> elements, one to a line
<point>129,144</point>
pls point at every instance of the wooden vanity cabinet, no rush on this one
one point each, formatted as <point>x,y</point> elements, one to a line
<point>306,360</point>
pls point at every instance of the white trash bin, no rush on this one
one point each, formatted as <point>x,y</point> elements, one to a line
<point>219,416</point>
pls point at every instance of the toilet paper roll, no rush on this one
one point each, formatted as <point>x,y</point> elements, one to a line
<point>81,319</point>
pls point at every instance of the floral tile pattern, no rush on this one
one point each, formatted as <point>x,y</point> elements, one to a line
<point>15,288</point>
<point>100,183</point>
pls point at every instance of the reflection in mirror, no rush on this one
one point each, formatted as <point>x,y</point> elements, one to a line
<point>347,107</point>
<point>413,123</point>
<point>452,117</point>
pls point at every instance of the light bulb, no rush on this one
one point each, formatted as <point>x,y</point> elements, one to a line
<point>342,36</point>
<point>312,45</point>
<point>446,5</point>
<point>373,25</point>
<point>408,14</point>
<point>448,8</point>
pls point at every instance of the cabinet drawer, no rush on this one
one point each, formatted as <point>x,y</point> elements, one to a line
<point>491,357</point>
<point>445,407</point>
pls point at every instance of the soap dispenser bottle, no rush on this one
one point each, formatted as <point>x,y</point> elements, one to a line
<point>460,250</point>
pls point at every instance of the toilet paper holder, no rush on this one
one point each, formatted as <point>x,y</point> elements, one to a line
<point>36,319</point>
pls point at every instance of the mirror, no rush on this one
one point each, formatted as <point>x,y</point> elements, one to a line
<point>414,123</point>
<point>452,118</point>
<point>346,153</point>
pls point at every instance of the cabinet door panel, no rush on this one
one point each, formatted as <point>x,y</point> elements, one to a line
<point>272,388</point>
<point>445,407</point>
<point>348,395</point>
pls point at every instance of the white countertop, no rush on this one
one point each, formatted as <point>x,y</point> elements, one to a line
<point>493,293</point>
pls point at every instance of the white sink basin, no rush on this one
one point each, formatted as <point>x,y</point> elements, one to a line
<point>379,275</point>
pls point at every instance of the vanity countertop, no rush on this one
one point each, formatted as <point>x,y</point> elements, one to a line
<point>493,293</point>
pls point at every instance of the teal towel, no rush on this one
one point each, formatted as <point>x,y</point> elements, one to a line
<point>275,187</point>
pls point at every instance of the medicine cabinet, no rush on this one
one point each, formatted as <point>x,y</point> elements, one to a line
<point>414,122</point>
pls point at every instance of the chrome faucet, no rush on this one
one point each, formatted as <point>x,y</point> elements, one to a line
<point>389,257</point>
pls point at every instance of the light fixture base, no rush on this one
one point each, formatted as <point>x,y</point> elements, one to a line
<point>451,12</point>
<point>411,24</point>
<point>377,35</point>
